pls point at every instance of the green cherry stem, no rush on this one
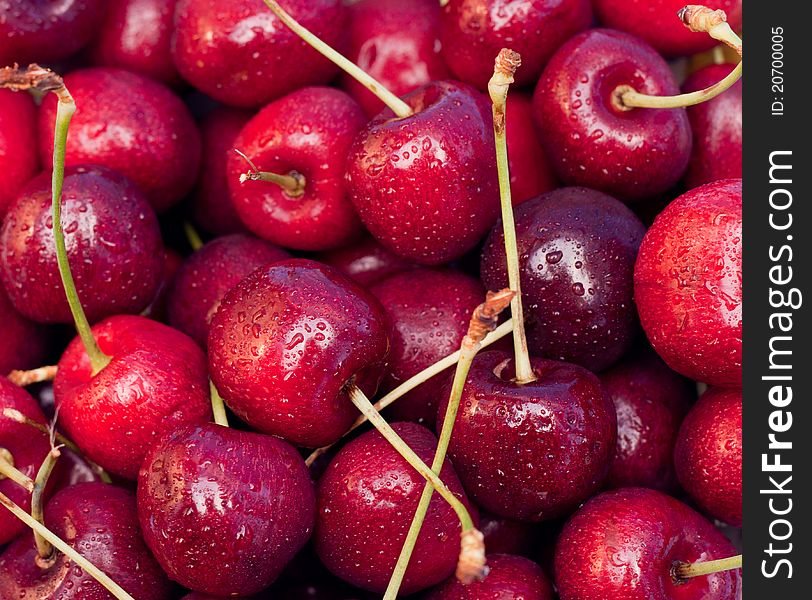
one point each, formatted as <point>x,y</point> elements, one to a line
<point>682,571</point>
<point>9,471</point>
<point>293,184</point>
<point>45,550</point>
<point>218,407</point>
<point>192,236</point>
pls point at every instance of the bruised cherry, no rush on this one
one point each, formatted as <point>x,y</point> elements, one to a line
<point>509,578</point>
<point>19,160</point>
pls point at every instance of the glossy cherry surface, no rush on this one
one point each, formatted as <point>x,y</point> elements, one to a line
<point>630,154</point>
<point>624,543</point>
<point>308,132</point>
<point>424,185</point>
<point>688,283</point>
<point>287,340</point>
<point>509,578</point>
<point>129,123</point>
<point>530,170</point>
<point>365,503</point>
<point>708,454</point>
<point>239,53</point>
<point>576,256</point>
<point>113,243</point>
<point>155,382</point>
<point>532,451</point>
<point>365,261</point>
<point>224,510</point>
<point>24,342</point>
<point>19,161</point>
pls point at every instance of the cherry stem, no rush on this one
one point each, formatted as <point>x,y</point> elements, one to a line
<point>483,321</point>
<point>415,381</point>
<point>45,549</point>
<point>504,68</point>
<point>38,375</point>
<point>293,184</point>
<point>192,236</point>
<point>682,571</point>
<point>218,407</point>
<point>97,574</point>
<point>9,471</point>
<point>398,106</point>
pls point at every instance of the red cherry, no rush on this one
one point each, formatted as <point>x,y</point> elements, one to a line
<point>688,284</point>
<point>530,170</point>
<point>365,261</point>
<point>25,343</point>
<point>509,578</point>
<point>19,161</point>
<point>506,536</point>
<point>131,124</point>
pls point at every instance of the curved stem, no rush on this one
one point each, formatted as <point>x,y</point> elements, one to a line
<point>398,106</point>
<point>39,375</point>
<point>45,549</point>
<point>192,236</point>
<point>218,406</point>
<point>681,571</point>
<point>293,184</point>
<point>9,471</point>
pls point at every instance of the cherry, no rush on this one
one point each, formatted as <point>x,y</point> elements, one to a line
<point>287,340</point>
<point>42,30</point>
<point>101,522</point>
<point>625,543</point>
<point>365,501</point>
<point>223,510</point>
<point>429,310</point>
<point>717,127</point>
<point>154,382</point>
<point>651,401</point>
<point>25,343</point>
<point>237,52</point>
<point>473,32</point>
<point>506,536</point>
<point>688,283</point>
<point>576,255</point>
<point>305,136</point>
<point>397,43</point>
<point>365,261</point>
<point>530,170</point>
<point>509,578</point>
<point>113,243</point>
<point>130,123</point>
<point>708,454</point>
<point>655,22</point>
<point>19,161</point>
<point>135,35</point>
<point>592,139</point>
<point>532,451</point>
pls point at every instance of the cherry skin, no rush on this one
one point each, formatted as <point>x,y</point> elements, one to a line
<point>576,257</point>
<point>651,401</point>
<point>287,340</point>
<point>206,276</point>
<point>509,578</point>
<point>506,536</point>
<point>19,161</point>
<point>308,131</point>
<point>129,123</point>
<point>100,522</point>
<point>631,154</point>
<point>25,343</point>
<point>656,22</point>
<point>688,284</point>
<point>365,261</point>
<point>113,243</point>
<point>534,451</point>
<point>624,543</point>
<point>423,185</point>
<point>717,127</point>
<point>224,510</point>
<point>155,382</point>
<point>708,454</point>
<point>474,31</point>
<point>239,53</point>
<point>365,503</point>
<point>397,43</point>
<point>530,170</point>
<point>429,311</point>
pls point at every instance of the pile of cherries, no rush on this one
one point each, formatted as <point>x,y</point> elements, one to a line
<point>345,248</point>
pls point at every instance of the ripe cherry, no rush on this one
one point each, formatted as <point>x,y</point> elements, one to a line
<point>509,578</point>
<point>19,161</point>
<point>25,343</point>
<point>365,261</point>
<point>530,170</point>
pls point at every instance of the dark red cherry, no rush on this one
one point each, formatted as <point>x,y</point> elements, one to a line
<point>656,22</point>
<point>365,261</point>
<point>307,132</point>
<point>100,522</point>
<point>509,578</point>
<point>530,170</point>
<point>155,382</point>
<point>397,43</point>
<point>708,454</point>
<point>365,502</point>
<point>506,536</point>
<point>46,30</point>
<point>624,543</point>
<point>72,470</point>
<point>206,276</point>
<point>474,31</point>
<point>287,340</point>
<point>717,127</point>
<point>237,51</point>
<point>688,283</point>
<point>113,243</point>
<point>19,160</point>
<point>534,451</point>
<point>429,311</point>
<point>424,185</point>
<point>224,510</point>
<point>25,343</point>
<point>576,254</point>
<point>129,123</point>
<point>630,154</point>
<point>651,401</point>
